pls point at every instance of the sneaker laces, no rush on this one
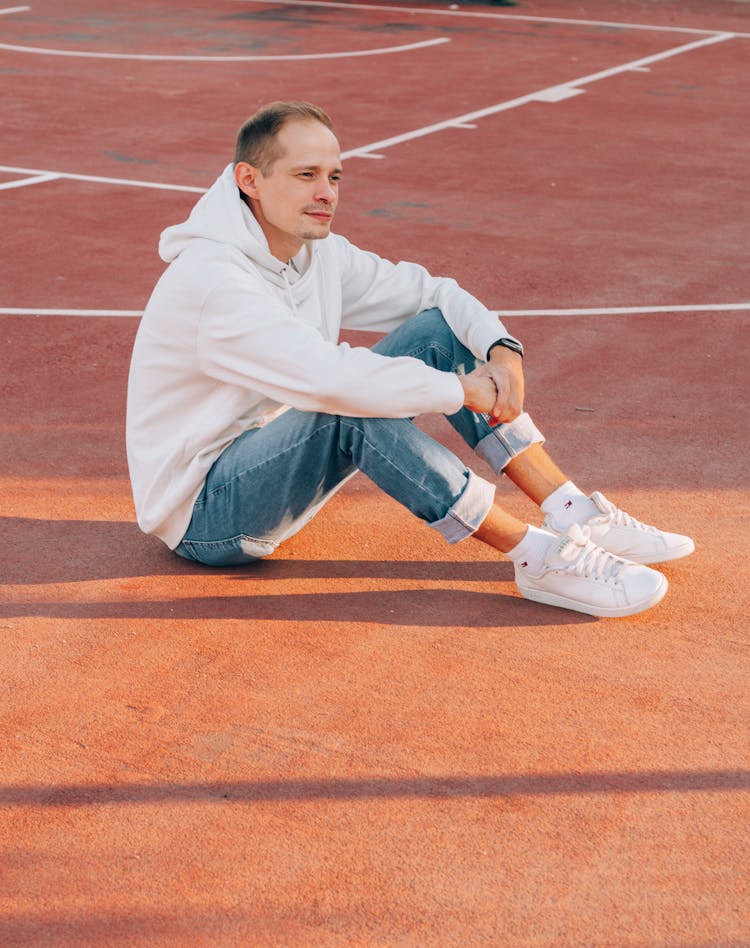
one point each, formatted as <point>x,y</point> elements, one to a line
<point>619,518</point>
<point>584,558</point>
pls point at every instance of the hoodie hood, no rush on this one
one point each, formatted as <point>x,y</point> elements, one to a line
<point>223,217</point>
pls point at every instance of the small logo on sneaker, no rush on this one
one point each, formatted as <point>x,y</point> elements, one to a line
<point>563,545</point>
<point>525,563</point>
<point>569,505</point>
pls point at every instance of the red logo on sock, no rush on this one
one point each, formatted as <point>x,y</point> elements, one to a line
<point>569,505</point>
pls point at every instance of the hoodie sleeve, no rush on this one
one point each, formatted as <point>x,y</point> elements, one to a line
<point>249,339</point>
<point>380,295</point>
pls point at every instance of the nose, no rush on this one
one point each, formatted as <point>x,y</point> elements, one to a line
<point>327,192</point>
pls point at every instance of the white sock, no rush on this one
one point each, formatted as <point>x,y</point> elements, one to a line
<point>531,552</point>
<point>568,505</point>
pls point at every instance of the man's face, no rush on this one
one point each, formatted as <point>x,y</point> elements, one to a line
<point>297,199</point>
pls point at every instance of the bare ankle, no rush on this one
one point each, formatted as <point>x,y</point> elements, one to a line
<point>501,530</point>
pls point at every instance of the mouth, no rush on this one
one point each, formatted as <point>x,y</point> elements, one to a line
<point>323,216</point>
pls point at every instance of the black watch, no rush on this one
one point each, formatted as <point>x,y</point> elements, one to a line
<point>513,344</point>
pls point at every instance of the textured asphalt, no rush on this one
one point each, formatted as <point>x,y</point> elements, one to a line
<point>370,738</point>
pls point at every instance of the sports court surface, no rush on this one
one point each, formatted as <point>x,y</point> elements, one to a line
<point>370,739</point>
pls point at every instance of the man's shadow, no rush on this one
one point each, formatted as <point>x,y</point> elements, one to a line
<point>68,551</point>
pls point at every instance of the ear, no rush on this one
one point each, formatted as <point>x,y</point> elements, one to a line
<point>246,177</point>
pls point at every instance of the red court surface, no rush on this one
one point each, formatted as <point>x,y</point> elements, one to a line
<point>370,738</point>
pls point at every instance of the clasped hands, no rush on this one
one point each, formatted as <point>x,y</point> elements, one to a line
<point>497,387</point>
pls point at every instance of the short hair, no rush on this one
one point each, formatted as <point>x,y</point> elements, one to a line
<point>256,139</point>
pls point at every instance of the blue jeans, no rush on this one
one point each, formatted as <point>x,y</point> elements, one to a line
<point>271,481</point>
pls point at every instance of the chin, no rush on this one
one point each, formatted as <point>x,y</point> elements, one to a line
<point>315,234</point>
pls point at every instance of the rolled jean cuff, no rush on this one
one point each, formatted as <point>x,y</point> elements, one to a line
<point>508,441</point>
<point>468,512</point>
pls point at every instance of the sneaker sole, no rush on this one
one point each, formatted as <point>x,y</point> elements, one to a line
<point>674,554</point>
<point>552,599</point>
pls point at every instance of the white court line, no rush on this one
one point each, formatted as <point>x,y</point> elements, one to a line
<point>82,54</point>
<point>491,16</point>
<point>25,182</point>
<point>127,182</point>
<point>14,10</point>
<point>590,311</point>
<point>372,150</point>
<point>551,93</point>
<point>627,310</point>
<point>11,311</point>
<point>558,94</point>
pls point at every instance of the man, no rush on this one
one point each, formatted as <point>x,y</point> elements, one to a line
<point>245,412</point>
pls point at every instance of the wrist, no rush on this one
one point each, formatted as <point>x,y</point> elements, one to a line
<point>507,342</point>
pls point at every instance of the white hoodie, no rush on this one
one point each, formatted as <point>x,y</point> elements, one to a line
<point>231,337</point>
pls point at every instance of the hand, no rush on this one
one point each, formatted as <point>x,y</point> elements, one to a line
<point>480,392</point>
<point>505,371</point>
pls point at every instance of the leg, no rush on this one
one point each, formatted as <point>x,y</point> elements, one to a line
<point>502,531</point>
<point>515,449</point>
<point>428,337</point>
<point>271,481</point>
<point>535,473</point>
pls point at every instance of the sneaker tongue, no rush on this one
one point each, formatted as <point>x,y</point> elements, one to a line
<point>604,505</point>
<point>568,546</point>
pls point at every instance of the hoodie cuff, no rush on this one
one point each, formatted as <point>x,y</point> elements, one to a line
<point>487,333</point>
<point>455,396</point>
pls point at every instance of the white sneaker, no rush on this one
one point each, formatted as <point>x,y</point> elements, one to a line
<point>619,533</point>
<point>579,575</point>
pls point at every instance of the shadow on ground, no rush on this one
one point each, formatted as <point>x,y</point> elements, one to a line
<point>372,788</point>
<point>423,608</point>
<point>66,551</point>
<point>60,551</point>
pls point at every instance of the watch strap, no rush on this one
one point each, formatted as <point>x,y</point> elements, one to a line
<point>508,342</point>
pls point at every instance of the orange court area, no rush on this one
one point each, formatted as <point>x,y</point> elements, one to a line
<point>370,738</point>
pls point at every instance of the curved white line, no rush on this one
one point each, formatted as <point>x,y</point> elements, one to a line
<point>433,11</point>
<point>39,50</point>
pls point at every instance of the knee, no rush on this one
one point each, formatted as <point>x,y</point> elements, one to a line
<point>447,352</point>
<point>433,323</point>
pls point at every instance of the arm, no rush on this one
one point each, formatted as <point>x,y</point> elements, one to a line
<point>379,295</point>
<point>248,338</point>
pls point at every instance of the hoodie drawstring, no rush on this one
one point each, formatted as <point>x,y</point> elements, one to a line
<point>326,328</point>
<point>289,293</point>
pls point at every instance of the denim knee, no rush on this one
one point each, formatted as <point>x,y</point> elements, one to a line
<point>427,336</point>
